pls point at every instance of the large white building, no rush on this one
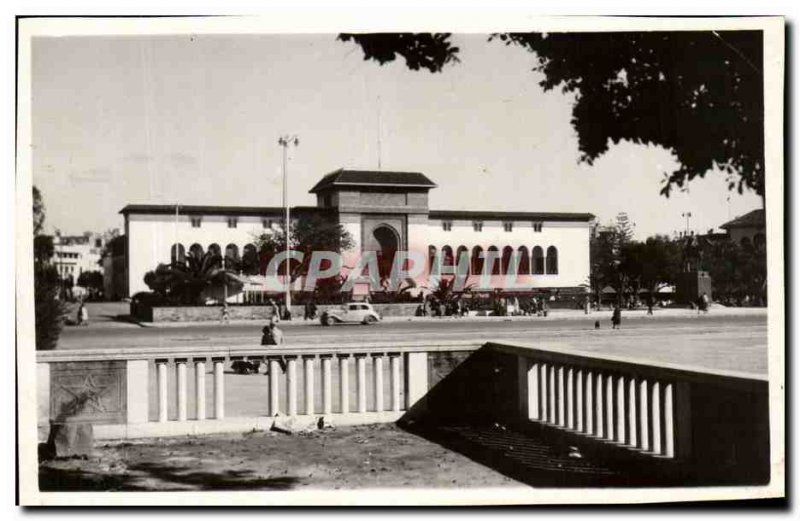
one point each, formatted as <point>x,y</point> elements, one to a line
<point>384,212</point>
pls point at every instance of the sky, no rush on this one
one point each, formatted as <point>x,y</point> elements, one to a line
<point>195,119</point>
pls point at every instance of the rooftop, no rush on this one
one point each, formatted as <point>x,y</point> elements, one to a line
<point>518,216</point>
<point>344,177</point>
<point>754,219</point>
<point>189,209</point>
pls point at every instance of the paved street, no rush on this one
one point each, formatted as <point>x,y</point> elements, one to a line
<point>715,341</point>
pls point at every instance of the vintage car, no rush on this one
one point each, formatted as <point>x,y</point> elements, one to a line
<point>355,313</point>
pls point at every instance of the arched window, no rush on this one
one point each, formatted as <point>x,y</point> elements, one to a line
<point>462,251</point>
<point>431,258</point>
<point>745,242</point>
<point>250,265</point>
<point>477,260</point>
<point>447,256</point>
<point>178,253</point>
<point>216,251</point>
<point>552,261</point>
<point>759,241</point>
<point>231,256</point>
<point>506,259</point>
<point>538,260</point>
<point>523,261</point>
<point>196,250</point>
<point>493,253</point>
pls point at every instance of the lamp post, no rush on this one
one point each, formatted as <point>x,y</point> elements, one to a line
<point>688,216</point>
<point>285,141</point>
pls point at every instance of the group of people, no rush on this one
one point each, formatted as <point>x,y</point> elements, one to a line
<point>433,307</point>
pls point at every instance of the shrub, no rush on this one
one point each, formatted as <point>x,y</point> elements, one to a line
<point>49,310</point>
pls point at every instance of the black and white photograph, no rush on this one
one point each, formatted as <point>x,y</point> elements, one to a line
<point>538,262</point>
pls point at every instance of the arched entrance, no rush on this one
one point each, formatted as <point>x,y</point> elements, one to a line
<point>388,243</point>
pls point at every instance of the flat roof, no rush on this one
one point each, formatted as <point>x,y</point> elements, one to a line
<point>491,215</point>
<point>190,209</point>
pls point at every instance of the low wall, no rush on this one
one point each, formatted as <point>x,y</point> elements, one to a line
<point>214,313</point>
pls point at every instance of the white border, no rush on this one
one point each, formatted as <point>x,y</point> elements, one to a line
<point>284,19</point>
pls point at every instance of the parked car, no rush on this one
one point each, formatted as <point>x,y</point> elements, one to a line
<point>354,313</point>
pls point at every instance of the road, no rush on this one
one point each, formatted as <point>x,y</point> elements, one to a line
<point>736,343</point>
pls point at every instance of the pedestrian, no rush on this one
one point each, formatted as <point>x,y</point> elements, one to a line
<point>704,300</point>
<point>650,305</point>
<point>276,312</point>
<point>306,311</point>
<point>83,315</point>
<point>312,309</point>
<point>225,313</point>
<point>616,317</point>
<point>273,336</point>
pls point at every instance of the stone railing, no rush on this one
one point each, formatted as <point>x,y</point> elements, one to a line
<point>342,384</point>
<point>705,417</point>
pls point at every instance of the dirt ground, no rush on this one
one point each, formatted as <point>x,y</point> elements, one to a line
<point>376,456</point>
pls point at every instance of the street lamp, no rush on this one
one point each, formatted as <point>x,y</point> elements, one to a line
<point>688,216</point>
<point>285,142</point>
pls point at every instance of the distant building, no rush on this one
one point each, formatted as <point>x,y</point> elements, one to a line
<point>74,254</point>
<point>750,227</point>
<point>115,275</point>
<point>385,212</point>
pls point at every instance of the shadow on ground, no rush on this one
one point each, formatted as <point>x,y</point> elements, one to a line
<point>472,408</point>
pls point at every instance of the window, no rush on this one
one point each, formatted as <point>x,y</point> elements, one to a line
<point>326,201</point>
<point>538,261</point>
<point>537,227</point>
<point>477,226</point>
<point>266,223</point>
<point>447,225</point>
<point>196,222</point>
<point>508,226</point>
<point>232,222</point>
<point>552,261</point>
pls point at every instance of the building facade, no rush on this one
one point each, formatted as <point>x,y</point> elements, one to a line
<point>384,212</point>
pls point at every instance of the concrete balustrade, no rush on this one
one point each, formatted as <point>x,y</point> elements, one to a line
<point>324,377</point>
<point>642,407</point>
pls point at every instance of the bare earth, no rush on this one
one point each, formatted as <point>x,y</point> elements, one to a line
<point>378,456</point>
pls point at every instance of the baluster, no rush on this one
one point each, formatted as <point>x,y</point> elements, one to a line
<point>327,402</point>
<point>543,393</point>
<point>344,383</point>
<point>377,368</point>
<point>656,416</point>
<point>644,416</point>
<point>308,362</point>
<point>180,388</point>
<point>669,424</point>
<point>589,427</point>
<point>161,368</point>
<point>291,385</point>
<point>361,383</point>
<point>200,388</point>
<point>579,411</point>
<point>219,388</point>
<point>551,406</point>
<point>561,396</point>
<point>609,405</point>
<point>598,404</point>
<point>621,416</point>
<point>632,415</point>
<point>274,379</point>
<point>394,360</point>
<point>570,398</point>
<point>533,387</point>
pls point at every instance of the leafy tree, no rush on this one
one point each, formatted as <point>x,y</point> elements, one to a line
<point>48,309</point>
<point>91,280</point>
<point>309,233</point>
<point>38,212</point>
<point>698,94</point>
<point>184,282</point>
<point>43,249</point>
<point>736,270</point>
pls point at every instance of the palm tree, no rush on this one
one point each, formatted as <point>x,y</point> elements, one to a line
<point>186,281</point>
